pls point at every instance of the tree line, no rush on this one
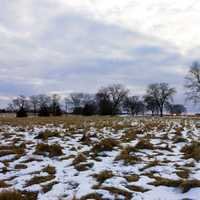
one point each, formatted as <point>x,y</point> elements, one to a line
<point>111,100</point>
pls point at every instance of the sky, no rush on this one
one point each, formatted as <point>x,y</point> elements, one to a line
<point>67,46</point>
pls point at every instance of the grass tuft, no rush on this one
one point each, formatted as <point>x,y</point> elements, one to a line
<point>192,151</point>
<point>51,150</point>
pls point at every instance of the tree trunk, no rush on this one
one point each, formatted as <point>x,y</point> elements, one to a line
<point>161,112</point>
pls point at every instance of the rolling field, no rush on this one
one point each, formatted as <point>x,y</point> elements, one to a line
<point>69,158</point>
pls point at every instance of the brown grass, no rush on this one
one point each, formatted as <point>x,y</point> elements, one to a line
<point>39,179</point>
<point>107,144</point>
<point>3,184</point>
<point>183,184</point>
<point>144,144</point>
<point>46,188</point>
<point>51,150</point>
<point>128,156</point>
<point>16,195</point>
<point>20,166</point>
<point>83,166</point>
<point>47,134</point>
<point>79,158</point>
<point>102,176</point>
<point>92,196</point>
<point>132,178</point>
<point>192,151</point>
<point>49,169</point>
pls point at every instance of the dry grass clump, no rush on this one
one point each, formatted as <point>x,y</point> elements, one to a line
<point>127,155</point>
<point>3,184</point>
<point>47,134</point>
<point>93,196</point>
<point>16,195</point>
<point>186,185</point>
<point>49,169</point>
<point>144,144</point>
<point>14,149</point>
<point>105,145</point>
<point>80,162</point>
<point>183,184</point>
<point>151,164</point>
<point>137,188</point>
<point>11,195</point>
<point>128,136</point>
<point>178,130</point>
<point>51,150</point>
<point>117,191</point>
<point>159,181</point>
<point>86,139</point>
<point>79,158</point>
<point>179,139</point>
<point>83,166</point>
<point>46,188</point>
<point>39,179</point>
<point>132,178</point>
<point>183,173</point>
<point>102,176</point>
<point>192,151</point>
<point>20,166</point>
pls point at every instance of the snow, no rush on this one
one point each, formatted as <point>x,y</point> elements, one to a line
<point>70,182</point>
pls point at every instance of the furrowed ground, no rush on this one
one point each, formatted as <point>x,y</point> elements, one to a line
<point>99,158</point>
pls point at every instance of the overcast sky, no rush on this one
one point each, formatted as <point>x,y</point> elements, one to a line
<point>49,46</point>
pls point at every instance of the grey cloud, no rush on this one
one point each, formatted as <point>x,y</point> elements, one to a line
<point>67,51</point>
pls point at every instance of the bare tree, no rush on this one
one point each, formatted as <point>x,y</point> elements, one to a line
<point>76,99</point>
<point>20,105</point>
<point>67,104</point>
<point>134,105</point>
<point>151,105</point>
<point>114,95</point>
<point>177,109</point>
<point>20,102</point>
<point>55,105</point>
<point>104,103</point>
<point>34,103</point>
<point>192,83</point>
<point>44,105</point>
<point>161,93</point>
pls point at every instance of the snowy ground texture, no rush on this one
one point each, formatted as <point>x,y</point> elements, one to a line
<point>119,158</point>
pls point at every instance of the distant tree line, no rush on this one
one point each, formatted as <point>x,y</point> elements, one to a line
<point>111,100</point>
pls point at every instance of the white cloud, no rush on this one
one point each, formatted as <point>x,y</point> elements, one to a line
<point>177,22</point>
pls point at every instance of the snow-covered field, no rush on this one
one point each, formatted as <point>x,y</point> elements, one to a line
<point>119,158</point>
